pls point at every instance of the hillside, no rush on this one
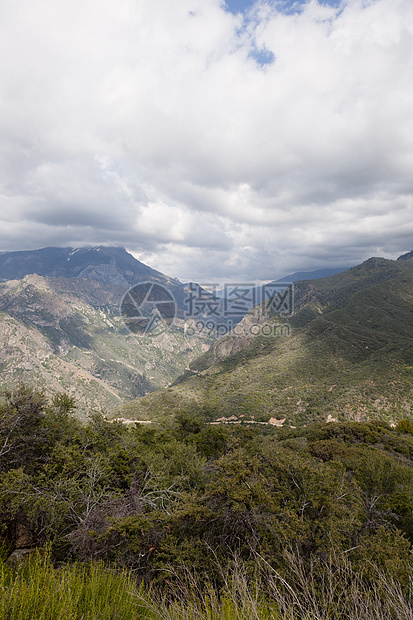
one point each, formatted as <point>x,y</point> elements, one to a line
<point>52,338</point>
<point>349,356</point>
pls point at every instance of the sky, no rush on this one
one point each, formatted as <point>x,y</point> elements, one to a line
<point>215,141</point>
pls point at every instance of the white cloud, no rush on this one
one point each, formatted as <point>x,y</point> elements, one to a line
<point>149,124</point>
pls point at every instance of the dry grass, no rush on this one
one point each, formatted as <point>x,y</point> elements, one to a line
<point>332,591</point>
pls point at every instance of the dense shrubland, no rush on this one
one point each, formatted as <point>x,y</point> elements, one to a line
<point>206,521</point>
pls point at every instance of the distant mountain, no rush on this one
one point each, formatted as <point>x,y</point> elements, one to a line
<point>109,265</point>
<point>346,353</point>
<point>312,275</point>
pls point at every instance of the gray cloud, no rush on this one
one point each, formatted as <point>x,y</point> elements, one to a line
<point>153,126</point>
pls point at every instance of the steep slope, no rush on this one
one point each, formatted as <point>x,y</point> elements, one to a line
<point>26,356</point>
<point>346,353</point>
<point>64,334</point>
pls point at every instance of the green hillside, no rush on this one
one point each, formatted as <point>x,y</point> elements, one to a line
<point>349,356</point>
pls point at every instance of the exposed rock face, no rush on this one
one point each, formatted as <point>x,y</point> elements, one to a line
<point>72,263</point>
<point>107,274</point>
<point>25,545</point>
<point>20,556</point>
<point>24,537</point>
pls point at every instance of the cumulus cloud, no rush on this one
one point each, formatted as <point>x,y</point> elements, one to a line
<point>211,144</point>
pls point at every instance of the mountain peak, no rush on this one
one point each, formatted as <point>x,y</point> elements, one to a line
<point>106,264</point>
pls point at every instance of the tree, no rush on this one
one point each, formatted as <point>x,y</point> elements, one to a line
<point>22,437</point>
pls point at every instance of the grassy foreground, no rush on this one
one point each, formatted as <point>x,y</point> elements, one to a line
<point>38,591</point>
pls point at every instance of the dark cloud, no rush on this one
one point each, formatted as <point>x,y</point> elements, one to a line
<point>209,143</point>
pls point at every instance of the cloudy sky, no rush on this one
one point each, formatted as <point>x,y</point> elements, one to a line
<point>213,140</point>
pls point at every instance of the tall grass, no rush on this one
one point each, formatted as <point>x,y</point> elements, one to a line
<point>335,591</point>
<point>302,592</point>
<point>38,591</point>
